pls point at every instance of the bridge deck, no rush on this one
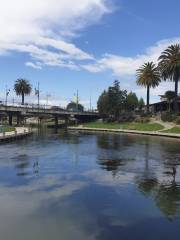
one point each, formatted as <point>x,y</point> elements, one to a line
<point>35,111</point>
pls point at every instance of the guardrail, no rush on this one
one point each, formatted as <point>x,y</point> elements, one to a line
<point>40,109</point>
<point>36,106</point>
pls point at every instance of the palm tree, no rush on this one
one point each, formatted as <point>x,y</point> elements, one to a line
<point>170,96</point>
<point>148,76</point>
<point>22,87</point>
<point>169,65</point>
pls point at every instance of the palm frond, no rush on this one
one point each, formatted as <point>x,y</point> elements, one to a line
<point>148,75</point>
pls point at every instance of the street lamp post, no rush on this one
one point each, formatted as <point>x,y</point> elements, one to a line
<point>90,102</point>
<point>37,93</point>
<point>77,101</point>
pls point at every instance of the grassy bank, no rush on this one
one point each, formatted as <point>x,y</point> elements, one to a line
<point>175,130</point>
<point>129,126</point>
<point>6,129</point>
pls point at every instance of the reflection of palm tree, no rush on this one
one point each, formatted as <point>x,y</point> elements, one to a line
<point>113,165</point>
<point>147,186</point>
<point>147,182</point>
<point>168,198</point>
<point>103,141</point>
<point>165,195</point>
<point>114,141</point>
<point>108,157</point>
<point>147,177</point>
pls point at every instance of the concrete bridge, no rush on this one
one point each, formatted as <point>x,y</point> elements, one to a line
<point>21,112</point>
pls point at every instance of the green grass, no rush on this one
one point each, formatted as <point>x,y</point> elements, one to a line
<point>102,125</point>
<point>128,126</point>
<point>6,129</point>
<point>173,130</point>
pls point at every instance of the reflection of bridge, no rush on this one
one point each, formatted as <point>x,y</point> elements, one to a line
<point>29,111</point>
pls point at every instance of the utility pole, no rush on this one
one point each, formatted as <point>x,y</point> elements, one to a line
<point>90,104</point>
<point>37,93</point>
<point>77,100</point>
<point>47,98</point>
<point>7,94</point>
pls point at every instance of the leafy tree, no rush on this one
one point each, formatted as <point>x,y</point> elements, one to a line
<point>141,103</point>
<point>112,102</point>
<point>169,65</point>
<point>170,96</point>
<point>148,76</point>
<point>102,103</point>
<point>72,106</point>
<point>116,99</point>
<point>22,87</point>
<point>132,101</point>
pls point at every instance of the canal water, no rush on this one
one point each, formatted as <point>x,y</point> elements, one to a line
<point>77,186</point>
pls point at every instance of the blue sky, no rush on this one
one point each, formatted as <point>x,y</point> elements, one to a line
<point>84,46</point>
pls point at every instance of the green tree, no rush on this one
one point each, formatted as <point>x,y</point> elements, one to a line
<point>132,101</point>
<point>102,104</point>
<point>22,87</point>
<point>141,103</point>
<point>170,96</point>
<point>169,65</point>
<point>148,76</point>
<point>112,102</point>
<point>116,100</point>
<point>72,106</point>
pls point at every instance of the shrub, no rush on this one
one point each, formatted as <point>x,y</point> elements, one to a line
<point>126,117</point>
<point>177,120</point>
<point>142,120</point>
<point>168,117</point>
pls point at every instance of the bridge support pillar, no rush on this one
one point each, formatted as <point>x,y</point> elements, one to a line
<point>18,120</point>
<point>66,121</point>
<point>10,119</point>
<point>56,121</point>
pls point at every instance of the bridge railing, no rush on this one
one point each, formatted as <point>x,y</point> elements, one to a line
<point>41,107</point>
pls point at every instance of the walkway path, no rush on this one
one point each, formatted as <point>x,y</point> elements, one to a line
<point>18,133</point>
<point>166,125</point>
<point>153,133</point>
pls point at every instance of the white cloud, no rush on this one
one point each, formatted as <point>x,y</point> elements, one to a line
<point>33,65</point>
<point>42,28</point>
<point>123,66</point>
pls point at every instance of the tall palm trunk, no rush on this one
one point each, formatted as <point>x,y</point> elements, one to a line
<point>169,106</point>
<point>148,93</point>
<point>22,98</point>
<point>176,108</point>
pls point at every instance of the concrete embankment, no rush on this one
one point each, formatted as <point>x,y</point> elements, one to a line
<point>19,133</point>
<point>153,133</point>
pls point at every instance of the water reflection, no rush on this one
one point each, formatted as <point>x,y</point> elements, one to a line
<point>89,186</point>
<point>159,184</point>
<point>22,163</point>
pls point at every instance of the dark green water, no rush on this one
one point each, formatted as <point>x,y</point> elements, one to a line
<point>77,186</point>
